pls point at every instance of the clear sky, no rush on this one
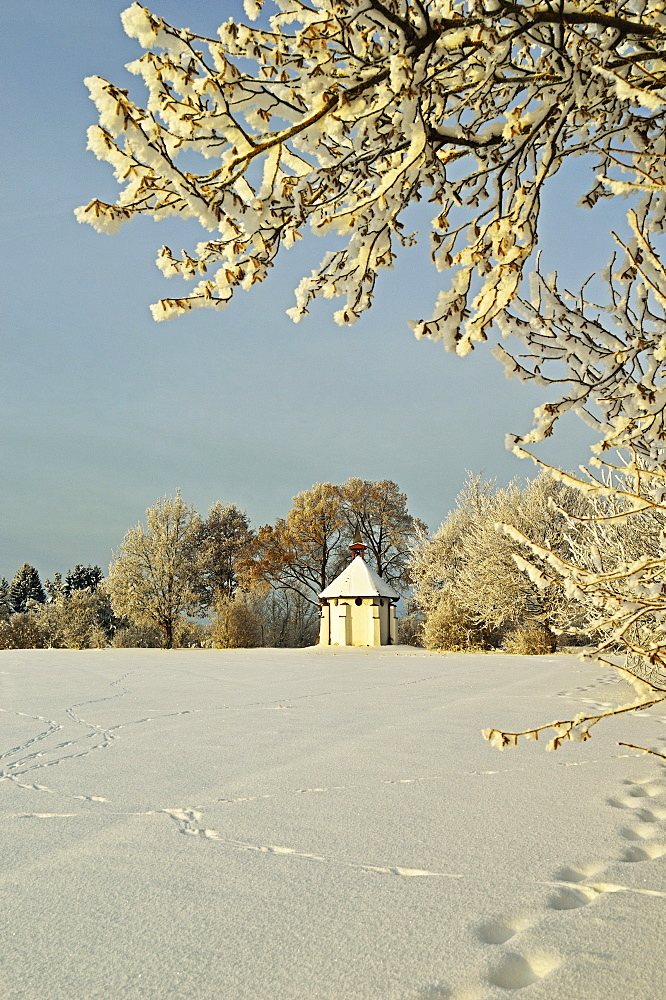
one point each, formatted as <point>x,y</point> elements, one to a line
<point>102,411</point>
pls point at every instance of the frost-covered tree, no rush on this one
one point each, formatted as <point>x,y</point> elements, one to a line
<point>224,538</point>
<point>236,622</point>
<point>467,582</point>
<point>81,620</point>
<point>280,618</point>
<point>607,363</point>
<point>55,588</point>
<point>337,115</point>
<point>21,631</point>
<point>26,589</point>
<point>154,574</point>
<point>132,636</point>
<point>78,613</point>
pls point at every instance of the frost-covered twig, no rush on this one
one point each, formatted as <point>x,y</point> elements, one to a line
<point>576,729</point>
<point>633,746</point>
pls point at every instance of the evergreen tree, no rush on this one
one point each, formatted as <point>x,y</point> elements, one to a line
<point>26,587</point>
<point>83,578</point>
<point>5,602</point>
<point>55,589</point>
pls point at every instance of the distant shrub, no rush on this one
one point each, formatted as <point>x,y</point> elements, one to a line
<point>236,623</point>
<point>194,635</point>
<point>75,622</point>
<point>186,635</point>
<point>448,627</point>
<point>137,637</point>
<point>22,631</point>
<point>288,620</point>
<point>410,629</point>
<point>565,639</point>
<point>532,639</point>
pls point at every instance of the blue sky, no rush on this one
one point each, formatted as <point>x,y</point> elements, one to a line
<point>103,411</point>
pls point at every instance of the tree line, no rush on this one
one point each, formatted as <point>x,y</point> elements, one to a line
<point>474,584</point>
<point>180,579</point>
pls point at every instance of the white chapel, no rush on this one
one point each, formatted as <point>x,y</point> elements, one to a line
<point>358,607</point>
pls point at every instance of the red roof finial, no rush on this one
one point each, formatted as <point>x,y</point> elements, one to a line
<point>358,546</point>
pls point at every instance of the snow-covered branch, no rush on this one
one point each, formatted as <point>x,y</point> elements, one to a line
<point>339,116</point>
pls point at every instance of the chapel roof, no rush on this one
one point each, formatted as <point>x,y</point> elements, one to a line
<point>358,580</point>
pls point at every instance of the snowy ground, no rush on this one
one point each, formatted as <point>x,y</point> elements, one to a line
<point>300,824</point>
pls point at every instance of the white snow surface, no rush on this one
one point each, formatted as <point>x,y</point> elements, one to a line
<point>323,823</point>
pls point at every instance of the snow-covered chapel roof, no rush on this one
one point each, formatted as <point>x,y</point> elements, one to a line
<point>358,580</point>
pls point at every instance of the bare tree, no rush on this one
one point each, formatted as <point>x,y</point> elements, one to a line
<point>303,551</point>
<point>379,509</point>
<point>236,622</point>
<point>224,539</point>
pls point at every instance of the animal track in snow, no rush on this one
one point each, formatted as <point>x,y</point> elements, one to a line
<point>295,791</point>
<point>648,852</point>
<point>42,815</point>
<point>642,831</point>
<point>627,802</point>
<point>652,815</point>
<point>387,781</point>
<point>574,888</point>
<point>247,798</point>
<point>515,972</point>
<point>578,873</point>
<point>32,761</point>
<point>572,897</point>
<point>575,891</point>
<point>502,930</point>
<point>189,822</point>
<point>643,789</point>
<point>592,890</point>
<point>123,677</point>
<point>52,725</point>
<point>639,796</point>
<point>27,785</point>
<point>50,755</point>
<point>311,791</point>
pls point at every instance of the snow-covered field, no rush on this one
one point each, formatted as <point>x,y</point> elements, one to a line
<point>300,824</point>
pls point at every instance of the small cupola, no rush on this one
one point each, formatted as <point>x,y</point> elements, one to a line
<point>358,546</point>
